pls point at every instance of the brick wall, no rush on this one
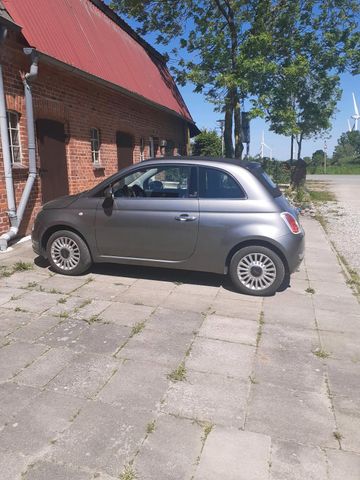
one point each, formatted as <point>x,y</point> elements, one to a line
<point>79,104</point>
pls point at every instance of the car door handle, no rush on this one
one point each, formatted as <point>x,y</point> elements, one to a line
<point>185,217</point>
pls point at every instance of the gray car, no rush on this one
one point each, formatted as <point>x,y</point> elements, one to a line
<point>188,213</point>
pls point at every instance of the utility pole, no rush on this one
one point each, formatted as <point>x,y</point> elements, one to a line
<point>221,123</point>
<point>325,156</point>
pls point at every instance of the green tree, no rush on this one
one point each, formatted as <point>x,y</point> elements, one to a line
<point>347,149</point>
<point>207,143</point>
<point>317,158</point>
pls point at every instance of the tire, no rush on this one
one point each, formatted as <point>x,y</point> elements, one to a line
<point>67,253</point>
<point>256,270</point>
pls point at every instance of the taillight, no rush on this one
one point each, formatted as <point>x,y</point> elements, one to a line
<point>291,222</point>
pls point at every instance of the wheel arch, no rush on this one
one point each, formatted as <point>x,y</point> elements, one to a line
<point>260,243</point>
<point>56,228</point>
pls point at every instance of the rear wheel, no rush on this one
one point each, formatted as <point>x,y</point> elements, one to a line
<point>256,270</point>
<point>68,253</point>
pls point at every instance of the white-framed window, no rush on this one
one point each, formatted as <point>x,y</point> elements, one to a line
<point>14,137</point>
<point>95,145</point>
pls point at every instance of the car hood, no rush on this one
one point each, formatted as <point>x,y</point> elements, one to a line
<point>61,202</point>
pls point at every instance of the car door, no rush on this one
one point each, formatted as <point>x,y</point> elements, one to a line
<point>154,215</point>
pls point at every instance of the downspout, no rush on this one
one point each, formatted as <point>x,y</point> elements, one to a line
<point>27,80</point>
<point>5,144</point>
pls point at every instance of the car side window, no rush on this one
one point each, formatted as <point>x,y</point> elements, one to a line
<point>165,181</point>
<point>214,183</point>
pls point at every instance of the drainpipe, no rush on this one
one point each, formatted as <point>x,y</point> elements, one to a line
<point>5,144</point>
<point>27,80</point>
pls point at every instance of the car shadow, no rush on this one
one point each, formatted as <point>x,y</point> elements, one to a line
<point>162,274</point>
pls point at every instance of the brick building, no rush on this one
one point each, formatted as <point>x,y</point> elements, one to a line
<point>103,99</point>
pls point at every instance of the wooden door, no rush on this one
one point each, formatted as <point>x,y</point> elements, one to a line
<point>52,152</point>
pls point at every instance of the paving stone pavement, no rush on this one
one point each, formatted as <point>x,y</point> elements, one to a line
<point>129,373</point>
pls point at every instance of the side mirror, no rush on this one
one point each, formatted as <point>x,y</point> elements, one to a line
<point>108,193</point>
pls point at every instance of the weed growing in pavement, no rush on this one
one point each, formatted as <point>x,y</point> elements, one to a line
<point>53,290</point>
<point>85,303</point>
<point>137,328</point>
<point>150,427</point>
<point>93,319</point>
<point>259,332</point>
<point>179,374</point>
<point>178,283</point>
<point>62,300</point>
<point>15,297</point>
<point>64,315</point>
<point>207,429</point>
<point>4,272</point>
<point>310,290</point>
<point>22,266</point>
<point>128,473</point>
<point>31,285</point>
<point>18,309</point>
<point>320,353</point>
<point>252,380</point>
<point>337,435</point>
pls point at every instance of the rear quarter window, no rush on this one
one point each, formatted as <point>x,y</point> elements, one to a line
<point>215,183</point>
<point>266,181</point>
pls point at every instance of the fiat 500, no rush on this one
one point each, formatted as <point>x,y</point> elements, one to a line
<point>187,213</point>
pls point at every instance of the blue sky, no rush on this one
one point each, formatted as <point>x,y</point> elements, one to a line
<point>205,117</point>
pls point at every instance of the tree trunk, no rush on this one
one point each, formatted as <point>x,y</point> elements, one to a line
<point>299,142</point>
<point>237,127</point>
<point>292,149</point>
<point>228,142</point>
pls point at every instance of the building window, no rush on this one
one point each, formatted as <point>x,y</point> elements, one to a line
<point>14,137</point>
<point>95,145</point>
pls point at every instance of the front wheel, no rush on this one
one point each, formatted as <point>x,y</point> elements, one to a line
<point>256,270</point>
<point>68,253</point>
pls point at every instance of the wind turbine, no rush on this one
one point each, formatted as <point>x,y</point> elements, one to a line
<point>263,144</point>
<point>349,126</point>
<point>356,115</point>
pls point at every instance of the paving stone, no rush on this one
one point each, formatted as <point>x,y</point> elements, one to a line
<point>126,314</point>
<point>241,308</point>
<point>90,310</point>
<point>343,465</point>
<point>341,345</point>
<point>101,338</point>
<point>344,377</point>
<point>303,417</point>
<point>224,293</point>
<point>322,273</point>
<point>16,356</point>
<point>6,294</point>
<point>96,290</point>
<point>290,369</point>
<point>343,305</point>
<point>297,300</point>
<point>23,279</point>
<point>293,316</point>
<point>213,398</point>
<point>36,328</point>
<point>235,455</point>
<point>185,301</point>
<point>66,308</point>
<point>10,321</point>
<point>143,296</point>
<point>229,329</point>
<point>331,288</point>
<point>12,465</point>
<point>288,337</point>
<point>14,397</point>
<point>84,375</point>
<point>64,333</point>
<point>102,437</point>
<point>166,348</point>
<point>155,284</point>
<point>333,321</point>
<point>175,321</point>
<point>194,289</point>
<point>52,471</point>
<point>170,452</point>
<point>45,368</point>
<point>139,384</point>
<point>62,284</point>
<point>297,462</point>
<point>37,302</point>
<point>40,422</point>
<point>298,285</point>
<point>224,358</point>
<point>347,413</point>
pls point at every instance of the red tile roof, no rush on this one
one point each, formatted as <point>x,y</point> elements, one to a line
<point>78,33</point>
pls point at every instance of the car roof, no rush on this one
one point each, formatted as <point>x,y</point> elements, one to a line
<point>179,158</point>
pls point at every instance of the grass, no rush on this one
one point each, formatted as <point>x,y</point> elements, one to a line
<point>85,303</point>
<point>322,196</point>
<point>18,309</point>
<point>150,427</point>
<point>354,280</point>
<point>53,290</point>
<point>310,290</point>
<point>320,353</point>
<point>337,170</point>
<point>179,374</point>
<point>128,473</point>
<point>259,332</point>
<point>337,435</point>
<point>137,328</point>
<point>207,430</point>
<point>93,319</point>
<point>22,266</point>
<point>64,315</point>
<point>62,300</point>
<point>31,285</point>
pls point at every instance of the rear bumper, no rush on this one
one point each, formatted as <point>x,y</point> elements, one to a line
<point>294,250</point>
